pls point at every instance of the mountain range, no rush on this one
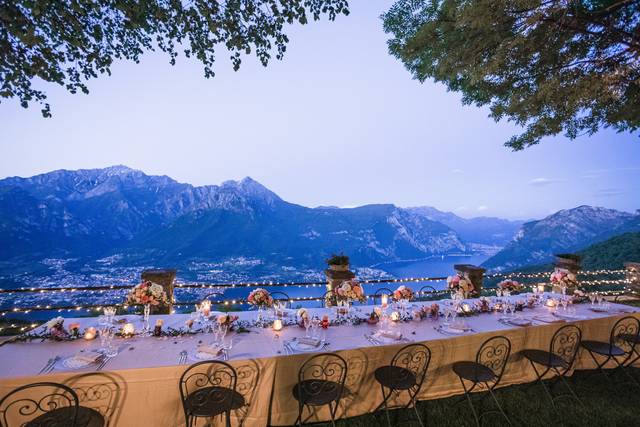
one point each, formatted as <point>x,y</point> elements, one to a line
<point>131,218</point>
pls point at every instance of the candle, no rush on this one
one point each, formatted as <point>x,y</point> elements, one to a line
<point>550,303</point>
<point>206,308</point>
<point>541,288</point>
<point>128,329</point>
<point>466,308</point>
<point>395,316</point>
<point>157,331</point>
<point>90,333</point>
<point>277,325</point>
<point>384,300</point>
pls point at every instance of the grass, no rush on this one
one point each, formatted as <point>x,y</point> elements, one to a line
<point>614,403</point>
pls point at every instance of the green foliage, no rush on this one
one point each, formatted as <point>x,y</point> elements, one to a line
<point>612,253</point>
<point>555,66</point>
<point>338,260</point>
<point>68,41</point>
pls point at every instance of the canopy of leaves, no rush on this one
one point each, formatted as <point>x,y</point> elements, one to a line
<point>551,67</point>
<point>70,41</point>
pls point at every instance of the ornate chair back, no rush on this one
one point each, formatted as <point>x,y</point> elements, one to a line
<point>282,297</point>
<point>415,358</point>
<point>494,354</point>
<point>378,294</point>
<point>322,374</point>
<point>51,403</point>
<point>624,334</point>
<point>565,344</point>
<point>215,378</point>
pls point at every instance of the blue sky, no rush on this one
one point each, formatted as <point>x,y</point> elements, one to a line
<point>337,122</point>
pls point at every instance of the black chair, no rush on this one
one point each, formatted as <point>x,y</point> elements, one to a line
<point>378,294</point>
<point>41,404</point>
<point>320,382</point>
<point>406,372</point>
<point>563,349</point>
<point>427,293</point>
<point>208,389</point>
<point>486,371</point>
<point>101,392</point>
<point>281,296</point>
<point>620,348</point>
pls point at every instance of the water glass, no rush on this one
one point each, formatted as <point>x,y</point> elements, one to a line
<point>307,324</point>
<point>315,323</point>
<point>109,314</point>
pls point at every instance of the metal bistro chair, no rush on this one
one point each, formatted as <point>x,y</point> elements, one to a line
<point>281,296</point>
<point>620,348</point>
<point>39,405</point>
<point>563,349</point>
<point>486,371</point>
<point>427,292</point>
<point>406,372</point>
<point>320,382</point>
<point>208,389</point>
<point>378,294</point>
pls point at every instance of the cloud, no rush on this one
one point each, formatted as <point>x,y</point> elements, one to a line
<point>609,192</point>
<point>482,208</point>
<point>540,182</point>
<point>457,171</point>
<point>461,209</point>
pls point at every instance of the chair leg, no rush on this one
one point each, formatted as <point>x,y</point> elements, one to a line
<point>299,419</point>
<point>498,404</point>
<point>468,396</point>
<point>332,412</point>
<point>227,415</point>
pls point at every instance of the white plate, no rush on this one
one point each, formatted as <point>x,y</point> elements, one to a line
<point>385,340</point>
<point>201,355</point>
<point>455,331</point>
<point>517,321</point>
<point>76,363</point>
<point>298,346</point>
<point>568,316</point>
<point>599,309</point>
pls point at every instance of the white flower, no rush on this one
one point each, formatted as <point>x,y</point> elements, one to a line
<point>56,321</point>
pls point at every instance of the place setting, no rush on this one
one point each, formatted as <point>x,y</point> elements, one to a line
<point>314,339</point>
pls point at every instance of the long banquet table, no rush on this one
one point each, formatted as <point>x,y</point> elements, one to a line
<point>146,371</point>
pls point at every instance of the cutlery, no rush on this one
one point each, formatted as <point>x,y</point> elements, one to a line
<point>46,365</point>
<point>182,357</point>
<point>103,362</point>
<point>53,364</point>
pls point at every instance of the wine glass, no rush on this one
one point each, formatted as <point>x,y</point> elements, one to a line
<point>564,301</point>
<point>592,298</point>
<point>226,344</point>
<point>307,324</point>
<point>315,323</point>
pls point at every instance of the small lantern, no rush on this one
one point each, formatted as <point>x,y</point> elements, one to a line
<point>90,333</point>
<point>277,325</point>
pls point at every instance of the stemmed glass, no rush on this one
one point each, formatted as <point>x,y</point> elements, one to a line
<point>307,324</point>
<point>109,314</point>
<point>107,333</point>
<point>592,298</point>
<point>564,301</point>
<point>315,323</point>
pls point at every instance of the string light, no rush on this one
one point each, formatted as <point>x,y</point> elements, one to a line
<point>110,288</point>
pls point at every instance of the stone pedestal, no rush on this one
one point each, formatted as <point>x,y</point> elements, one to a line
<point>633,275</point>
<point>166,279</point>
<point>474,273</point>
<point>335,277</point>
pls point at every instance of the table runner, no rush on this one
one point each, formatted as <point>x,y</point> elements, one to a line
<point>146,371</point>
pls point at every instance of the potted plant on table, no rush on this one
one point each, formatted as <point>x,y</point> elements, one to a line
<point>338,262</point>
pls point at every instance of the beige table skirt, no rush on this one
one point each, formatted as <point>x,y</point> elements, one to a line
<point>150,396</point>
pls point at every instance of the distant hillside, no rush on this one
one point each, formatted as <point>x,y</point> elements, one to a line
<point>612,253</point>
<point>118,213</point>
<point>568,230</point>
<point>484,230</point>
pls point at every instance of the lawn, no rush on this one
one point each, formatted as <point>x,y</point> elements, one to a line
<point>615,403</point>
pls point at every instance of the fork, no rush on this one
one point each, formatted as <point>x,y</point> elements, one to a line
<point>182,357</point>
<point>51,363</point>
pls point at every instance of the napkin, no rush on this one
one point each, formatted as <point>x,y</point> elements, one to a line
<point>459,327</point>
<point>548,319</point>
<point>309,341</point>
<point>391,334</point>
<point>90,357</point>
<point>209,349</point>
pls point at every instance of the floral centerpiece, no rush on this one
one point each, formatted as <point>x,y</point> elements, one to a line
<point>403,293</point>
<point>461,285</point>
<point>147,293</point>
<point>226,319</point>
<point>55,328</point>
<point>564,279</point>
<point>510,286</point>
<point>349,291</point>
<point>260,298</point>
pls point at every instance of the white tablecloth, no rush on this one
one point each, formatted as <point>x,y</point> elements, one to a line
<point>145,374</point>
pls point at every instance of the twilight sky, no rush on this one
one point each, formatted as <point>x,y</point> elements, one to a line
<point>337,122</point>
